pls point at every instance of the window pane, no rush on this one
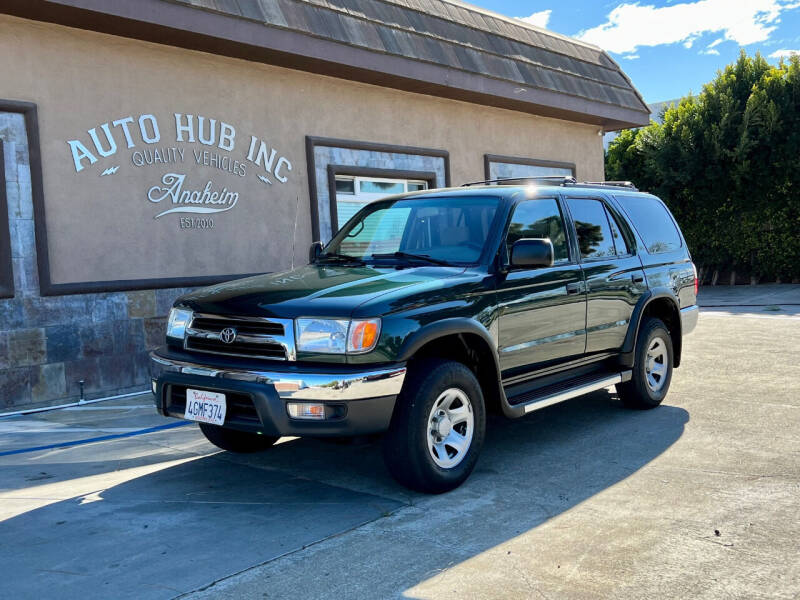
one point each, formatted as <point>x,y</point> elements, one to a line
<point>594,233</point>
<point>619,241</point>
<point>345,186</point>
<point>381,187</point>
<point>415,186</point>
<point>653,222</point>
<point>452,229</point>
<point>380,232</point>
<point>539,219</point>
<point>346,210</point>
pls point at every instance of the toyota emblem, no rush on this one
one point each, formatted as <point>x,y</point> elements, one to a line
<point>227,335</point>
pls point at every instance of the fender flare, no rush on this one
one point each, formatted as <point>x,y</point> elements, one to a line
<point>629,345</point>
<point>454,326</point>
<point>438,329</point>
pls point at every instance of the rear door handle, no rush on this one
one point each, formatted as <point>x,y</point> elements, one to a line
<point>637,278</point>
<point>574,288</point>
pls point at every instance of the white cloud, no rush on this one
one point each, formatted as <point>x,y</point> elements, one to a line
<point>784,53</point>
<point>631,26</point>
<point>711,51</point>
<point>540,19</point>
<point>631,56</point>
<point>716,42</point>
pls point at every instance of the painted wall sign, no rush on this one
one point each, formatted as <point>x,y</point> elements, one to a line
<point>187,157</point>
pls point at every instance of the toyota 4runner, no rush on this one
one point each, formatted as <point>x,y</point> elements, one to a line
<point>427,310</point>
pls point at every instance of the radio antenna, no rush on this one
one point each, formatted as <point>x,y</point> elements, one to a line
<point>294,233</point>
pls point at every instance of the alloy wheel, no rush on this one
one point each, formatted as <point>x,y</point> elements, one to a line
<point>451,424</point>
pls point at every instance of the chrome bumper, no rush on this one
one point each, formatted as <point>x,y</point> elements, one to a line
<point>689,319</point>
<point>296,385</point>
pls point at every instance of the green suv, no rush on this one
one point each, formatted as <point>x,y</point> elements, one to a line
<point>427,310</point>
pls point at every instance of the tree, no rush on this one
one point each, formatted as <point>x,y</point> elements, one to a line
<point>726,162</point>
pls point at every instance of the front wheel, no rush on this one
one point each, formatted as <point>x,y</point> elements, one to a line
<point>232,440</point>
<point>437,428</point>
<point>652,369</point>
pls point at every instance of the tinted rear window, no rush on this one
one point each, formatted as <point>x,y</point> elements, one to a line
<point>653,222</point>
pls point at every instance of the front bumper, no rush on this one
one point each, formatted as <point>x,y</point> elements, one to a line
<point>357,401</point>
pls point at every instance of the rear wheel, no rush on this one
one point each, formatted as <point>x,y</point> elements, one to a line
<point>437,429</point>
<point>242,442</point>
<point>652,369</point>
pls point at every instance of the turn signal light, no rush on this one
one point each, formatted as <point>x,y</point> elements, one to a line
<point>303,410</point>
<point>363,335</point>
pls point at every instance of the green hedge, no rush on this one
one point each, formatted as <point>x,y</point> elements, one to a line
<point>727,162</point>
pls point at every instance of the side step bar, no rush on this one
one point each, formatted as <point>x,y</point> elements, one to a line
<point>538,402</point>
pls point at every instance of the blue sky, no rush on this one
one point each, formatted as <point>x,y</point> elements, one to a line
<point>668,47</point>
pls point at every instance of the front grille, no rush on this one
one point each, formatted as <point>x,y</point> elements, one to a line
<point>237,348</point>
<point>255,337</point>
<point>239,410</point>
<point>216,324</point>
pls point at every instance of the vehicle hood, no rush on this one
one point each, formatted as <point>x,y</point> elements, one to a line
<point>313,290</point>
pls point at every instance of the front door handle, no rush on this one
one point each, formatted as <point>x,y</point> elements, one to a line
<point>637,278</point>
<point>574,288</point>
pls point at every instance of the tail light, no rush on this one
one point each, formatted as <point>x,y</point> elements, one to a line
<point>696,280</point>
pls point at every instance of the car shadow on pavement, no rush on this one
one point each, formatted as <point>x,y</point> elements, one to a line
<point>183,527</point>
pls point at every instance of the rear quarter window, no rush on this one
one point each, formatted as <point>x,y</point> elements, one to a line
<point>653,221</point>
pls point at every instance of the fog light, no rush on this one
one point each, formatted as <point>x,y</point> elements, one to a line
<point>306,411</point>
<point>153,386</point>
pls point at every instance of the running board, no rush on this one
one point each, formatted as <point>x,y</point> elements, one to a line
<point>537,401</point>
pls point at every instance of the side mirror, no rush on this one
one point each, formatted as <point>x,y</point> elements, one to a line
<point>532,252</point>
<point>314,251</point>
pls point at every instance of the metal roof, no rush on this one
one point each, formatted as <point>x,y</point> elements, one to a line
<point>438,47</point>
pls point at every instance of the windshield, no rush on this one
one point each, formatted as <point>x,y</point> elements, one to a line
<point>451,230</point>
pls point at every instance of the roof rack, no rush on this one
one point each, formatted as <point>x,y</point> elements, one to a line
<point>554,179</point>
<point>625,184</point>
<point>559,180</point>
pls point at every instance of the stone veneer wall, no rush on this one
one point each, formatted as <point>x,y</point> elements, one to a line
<point>48,344</point>
<point>504,170</point>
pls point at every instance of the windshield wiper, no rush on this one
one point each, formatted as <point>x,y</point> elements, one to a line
<point>423,257</point>
<point>340,257</point>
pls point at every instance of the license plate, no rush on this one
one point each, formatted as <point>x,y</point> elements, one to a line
<point>208,407</point>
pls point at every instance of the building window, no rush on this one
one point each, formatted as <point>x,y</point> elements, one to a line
<point>511,167</point>
<point>354,192</point>
<point>335,166</point>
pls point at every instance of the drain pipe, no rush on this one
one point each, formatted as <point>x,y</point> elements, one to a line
<point>81,402</point>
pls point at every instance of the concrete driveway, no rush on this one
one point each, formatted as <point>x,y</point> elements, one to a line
<point>699,498</point>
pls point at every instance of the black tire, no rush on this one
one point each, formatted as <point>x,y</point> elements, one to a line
<point>232,440</point>
<point>640,392</point>
<point>406,445</point>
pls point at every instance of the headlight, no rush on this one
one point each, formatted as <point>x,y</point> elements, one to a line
<point>337,336</point>
<point>179,319</point>
<point>327,336</point>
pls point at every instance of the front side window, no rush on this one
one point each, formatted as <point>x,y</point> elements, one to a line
<point>595,239</point>
<point>451,229</point>
<point>539,218</point>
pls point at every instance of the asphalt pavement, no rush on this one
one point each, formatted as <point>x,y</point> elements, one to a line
<point>699,498</point>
